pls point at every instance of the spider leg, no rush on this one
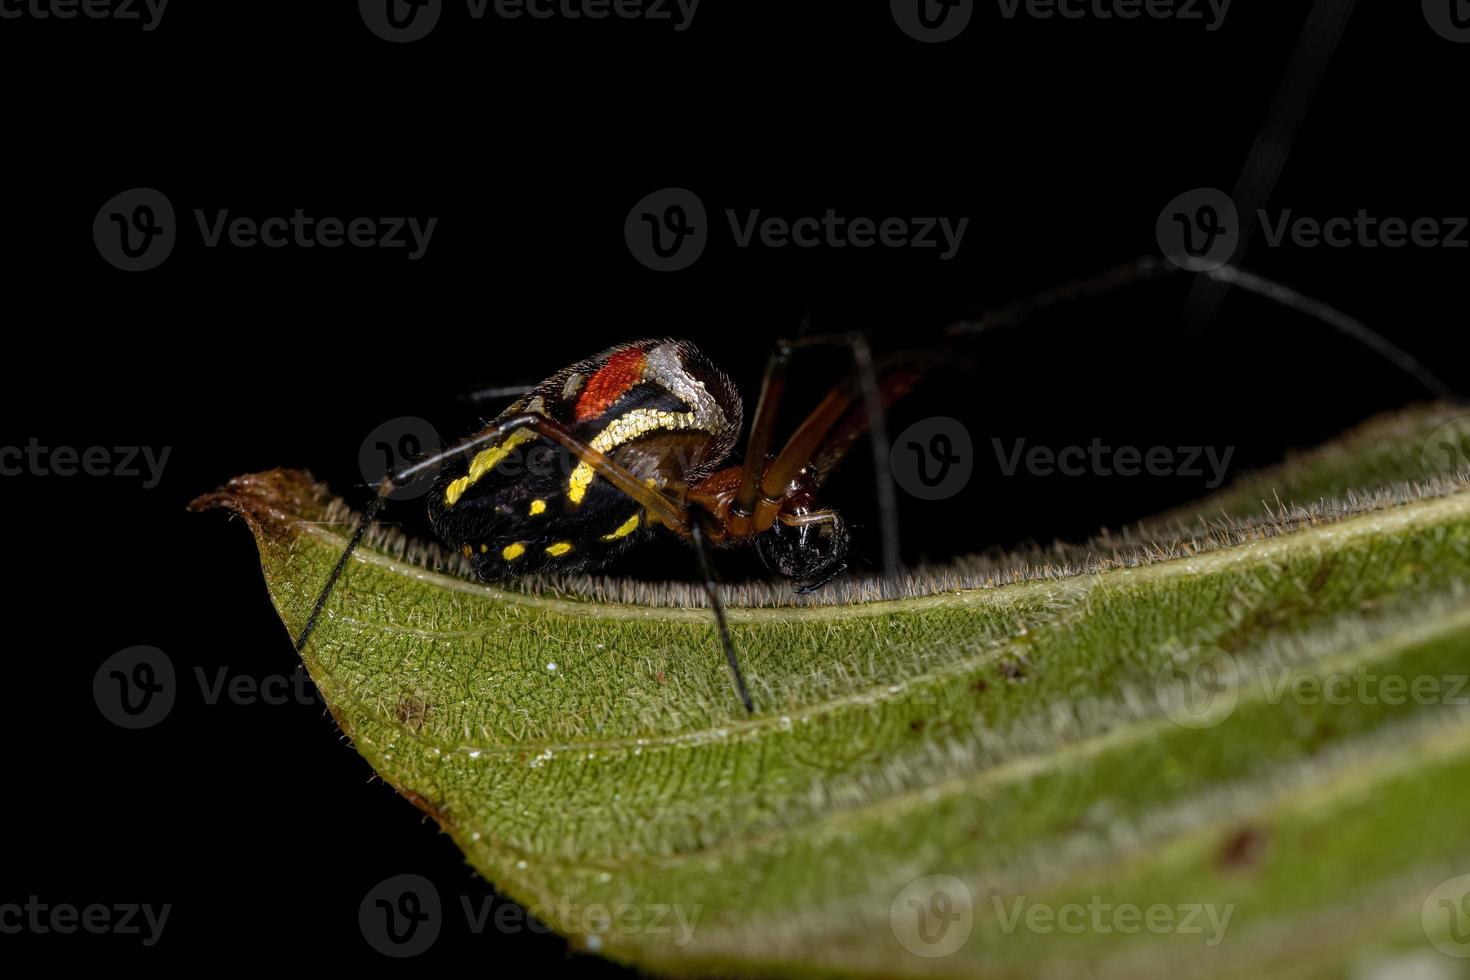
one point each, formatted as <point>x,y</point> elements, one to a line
<point>1337,320</point>
<point>712,590</point>
<point>1150,268</point>
<point>762,484</point>
<point>659,507</point>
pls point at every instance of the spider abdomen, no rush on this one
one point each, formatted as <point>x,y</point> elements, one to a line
<point>522,505</point>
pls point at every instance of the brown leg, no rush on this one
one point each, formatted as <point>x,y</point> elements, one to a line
<point>763,427</point>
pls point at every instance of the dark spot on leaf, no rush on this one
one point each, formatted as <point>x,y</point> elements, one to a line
<point>411,712</point>
<point>1242,850</point>
<point>979,686</point>
<point>916,726</point>
<point>1013,670</point>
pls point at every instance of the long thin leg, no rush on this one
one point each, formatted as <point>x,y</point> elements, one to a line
<point>1141,270</point>
<point>660,508</point>
<point>759,481</point>
<point>882,469</point>
<point>763,426</point>
<point>816,427</point>
<point>712,590</point>
<point>768,412</point>
<point>1338,321</point>
<point>1153,267</point>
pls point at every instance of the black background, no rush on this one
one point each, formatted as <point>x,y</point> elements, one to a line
<point>530,141</point>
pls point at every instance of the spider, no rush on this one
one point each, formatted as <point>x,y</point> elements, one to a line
<point>641,432</point>
<point>644,432</point>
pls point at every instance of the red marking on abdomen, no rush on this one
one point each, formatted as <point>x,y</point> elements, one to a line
<point>622,371</point>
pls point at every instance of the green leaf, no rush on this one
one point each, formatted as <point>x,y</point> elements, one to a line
<point>1070,734</point>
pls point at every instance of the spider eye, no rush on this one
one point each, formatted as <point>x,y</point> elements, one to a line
<point>812,551</point>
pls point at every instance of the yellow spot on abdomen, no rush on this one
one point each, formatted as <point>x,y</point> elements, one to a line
<point>512,551</point>
<point>559,549</point>
<point>625,529</point>
<point>485,461</point>
<point>538,507</point>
